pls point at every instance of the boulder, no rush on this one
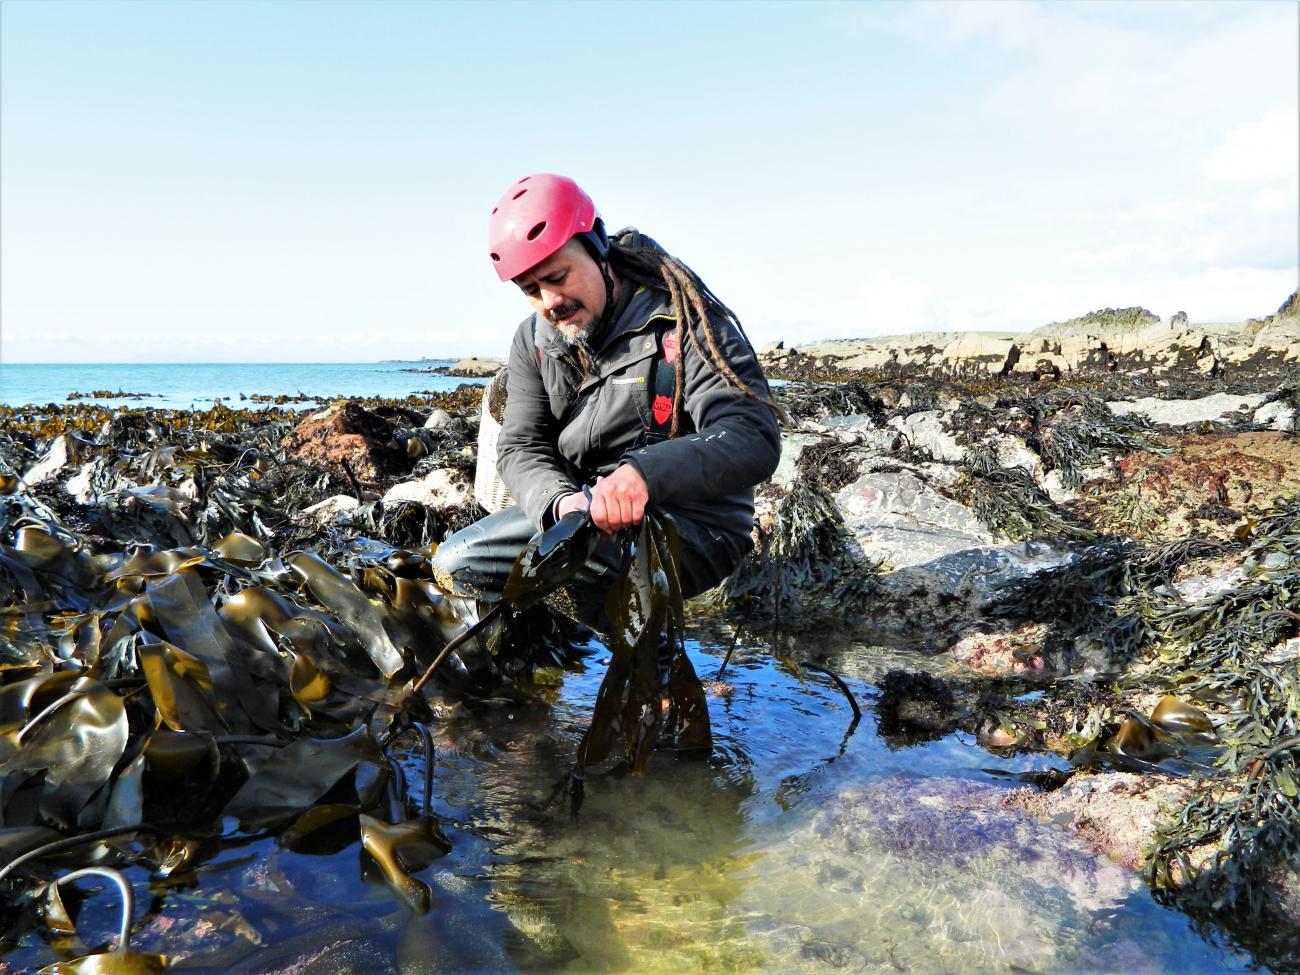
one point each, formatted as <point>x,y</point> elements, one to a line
<point>939,566</point>
<point>912,872</point>
<point>900,521</point>
<point>80,485</point>
<point>926,430</point>
<point>348,436</point>
<point>1205,486</point>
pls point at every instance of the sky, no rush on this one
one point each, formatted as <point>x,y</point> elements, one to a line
<point>310,180</point>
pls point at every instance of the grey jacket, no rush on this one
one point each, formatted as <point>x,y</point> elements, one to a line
<point>560,431</point>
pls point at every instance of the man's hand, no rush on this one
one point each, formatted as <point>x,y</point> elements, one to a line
<point>577,501</point>
<point>618,501</point>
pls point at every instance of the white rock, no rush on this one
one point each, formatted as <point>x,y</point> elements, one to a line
<point>443,488</point>
<point>1011,452</point>
<point>792,445</point>
<point>79,484</point>
<point>55,459</point>
<point>1055,487</point>
<point>849,421</point>
<point>925,429</point>
<point>1277,415</point>
<point>901,521</point>
<point>438,420</point>
<point>1199,588</point>
<point>1180,412</point>
<point>326,511</point>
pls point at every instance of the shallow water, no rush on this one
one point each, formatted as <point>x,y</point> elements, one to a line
<point>197,385</point>
<point>792,849</point>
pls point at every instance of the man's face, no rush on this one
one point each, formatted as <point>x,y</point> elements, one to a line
<point>567,289</point>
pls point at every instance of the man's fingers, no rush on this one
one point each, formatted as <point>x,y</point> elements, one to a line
<point>618,501</point>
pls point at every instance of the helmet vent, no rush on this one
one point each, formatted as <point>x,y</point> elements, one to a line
<point>537,231</point>
<point>519,194</point>
<point>496,258</point>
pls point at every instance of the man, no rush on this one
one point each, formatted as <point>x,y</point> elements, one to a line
<point>631,379</point>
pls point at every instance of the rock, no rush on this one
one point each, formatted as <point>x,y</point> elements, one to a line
<point>858,428</point>
<point>901,521</point>
<point>1181,412</point>
<point>351,435</point>
<point>1012,451</point>
<point>79,485</point>
<point>939,564</point>
<point>937,596</point>
<point>1277,415</point>
<point>1109,340</point>
<point>439,419</point>
<point>442,488</point>
<point>926,430</point>
<point>916,873</point>
<point>1115,813</point>
<point>1016,651</point>
<point>1205,586</point>
<point>792,446</point>
<point>326,511</point>
<point>915,702</point>
<point>56,458</point>
<point>1054,485</point>
<point>475,367</point>
<point>1204,487</point>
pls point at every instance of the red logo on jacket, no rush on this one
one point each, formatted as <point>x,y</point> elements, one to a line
<point>662,408</point>
<point>670,348</point>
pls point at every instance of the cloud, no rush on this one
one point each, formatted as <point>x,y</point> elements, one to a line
<point>1262,151</point>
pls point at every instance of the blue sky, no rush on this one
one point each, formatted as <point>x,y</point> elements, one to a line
<point>298,180</point>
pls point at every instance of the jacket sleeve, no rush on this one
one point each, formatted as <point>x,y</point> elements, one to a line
<point>527,459</point>
<point>736,443</point>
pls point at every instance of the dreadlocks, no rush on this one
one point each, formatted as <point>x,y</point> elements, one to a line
<point>639,259</point>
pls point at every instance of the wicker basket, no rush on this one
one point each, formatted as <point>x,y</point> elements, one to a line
<point>489,490</point>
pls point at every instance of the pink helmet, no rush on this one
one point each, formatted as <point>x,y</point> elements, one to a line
<point>536,217</point>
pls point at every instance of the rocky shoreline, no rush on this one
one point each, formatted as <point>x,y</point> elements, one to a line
<point>471,368</point>
<point>1096,527</point>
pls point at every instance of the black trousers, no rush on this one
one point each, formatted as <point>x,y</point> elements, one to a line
<point>475,562</point>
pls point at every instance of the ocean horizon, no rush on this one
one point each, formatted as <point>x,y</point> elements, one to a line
<point>199,385</point>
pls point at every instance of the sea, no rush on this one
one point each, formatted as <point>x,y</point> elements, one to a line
<point>191,385</point>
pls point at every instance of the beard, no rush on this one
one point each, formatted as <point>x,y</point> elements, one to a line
<point>572,334</point>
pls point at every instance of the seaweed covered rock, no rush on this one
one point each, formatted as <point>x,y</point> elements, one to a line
<point>1201,484</point>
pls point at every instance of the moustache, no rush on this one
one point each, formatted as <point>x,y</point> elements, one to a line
<point>563,311</point>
